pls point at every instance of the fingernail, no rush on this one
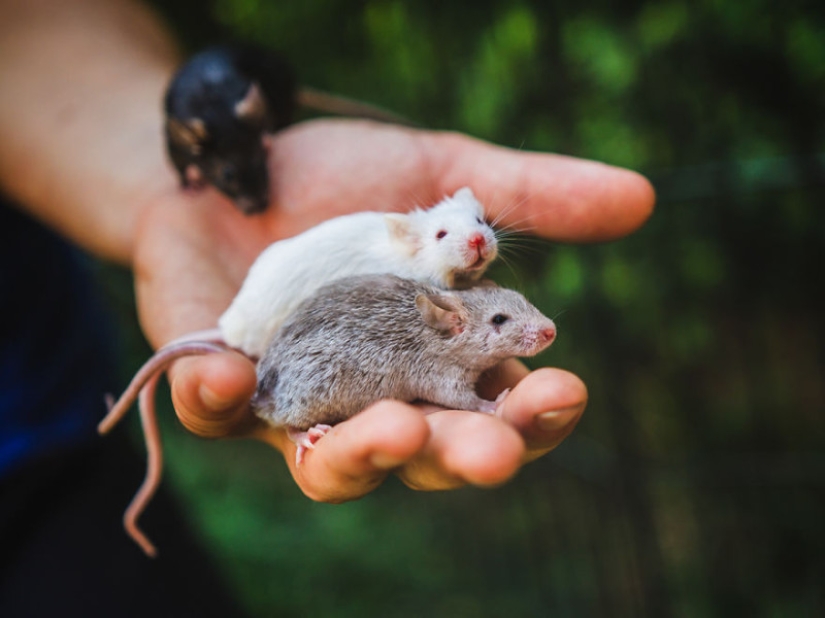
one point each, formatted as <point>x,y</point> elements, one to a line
<point>556,419</point>
<point>383,461</point>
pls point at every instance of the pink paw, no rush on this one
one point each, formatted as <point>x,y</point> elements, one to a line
<point>306,440</point>
<point>491,407</point>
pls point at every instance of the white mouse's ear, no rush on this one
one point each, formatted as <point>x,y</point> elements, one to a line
<point>464,193</point>
<point>401,230</point>
<point>442,312</point>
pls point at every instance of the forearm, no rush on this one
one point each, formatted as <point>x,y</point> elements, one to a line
<point>81,145</point>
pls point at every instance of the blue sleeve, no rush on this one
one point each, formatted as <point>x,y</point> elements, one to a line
<point>56,359</point>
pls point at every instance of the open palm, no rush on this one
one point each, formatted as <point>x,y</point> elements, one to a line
<point>192,252</point>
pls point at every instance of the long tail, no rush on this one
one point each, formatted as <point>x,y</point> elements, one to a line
<point>154,467</point>
<point>155,365</point>
<point>144,386</point>
<point>343,106</point>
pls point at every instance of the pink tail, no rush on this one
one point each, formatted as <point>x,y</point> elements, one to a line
<point>155,365</point>
<point>144,385</point>
<point>154,467</point>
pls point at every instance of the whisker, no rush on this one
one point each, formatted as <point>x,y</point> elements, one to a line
<point>507,210</point>
<point>506,261</point>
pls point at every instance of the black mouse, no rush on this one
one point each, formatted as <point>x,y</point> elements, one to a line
<point>219,105</point>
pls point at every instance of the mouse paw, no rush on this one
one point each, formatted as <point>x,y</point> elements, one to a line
<point>306,440</point>
<point>487,407</point>
<point>491,407</point>
<point>501,397</point>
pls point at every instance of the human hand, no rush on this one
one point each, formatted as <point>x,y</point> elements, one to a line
<point>192,251</point>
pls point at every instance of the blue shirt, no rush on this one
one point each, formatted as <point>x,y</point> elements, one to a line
<point>56,360</point>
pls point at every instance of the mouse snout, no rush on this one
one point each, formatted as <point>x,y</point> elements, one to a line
<point>539,336</point>
<point>547,335</point>
<point>477,240</point>
<point>478,247</point>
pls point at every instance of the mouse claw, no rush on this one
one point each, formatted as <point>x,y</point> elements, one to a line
<point>305,440</point>
<point>492,407</point>
<point>500,399</point>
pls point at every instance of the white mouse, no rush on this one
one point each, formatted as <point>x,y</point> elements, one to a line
<point>448,246</point>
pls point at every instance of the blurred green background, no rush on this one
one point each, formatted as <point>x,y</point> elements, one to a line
<point>694,484</point>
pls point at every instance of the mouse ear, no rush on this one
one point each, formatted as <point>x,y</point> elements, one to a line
<point>464,193</point>
<point>252,108</point>
<point>442,312</point>
<point>400,229</point>
<point>466,196</point>
<point>190,134</point>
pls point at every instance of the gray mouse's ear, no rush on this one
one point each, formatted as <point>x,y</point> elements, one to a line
<point>441,312</point>
<point>252,108</point>
<point>190,133</point>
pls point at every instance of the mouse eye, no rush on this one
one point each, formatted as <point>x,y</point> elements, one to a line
<point>441,234</point>
<point>499,319</point>
<point>479,221</point>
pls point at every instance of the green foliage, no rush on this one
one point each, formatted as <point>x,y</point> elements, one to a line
<point>693,485</point>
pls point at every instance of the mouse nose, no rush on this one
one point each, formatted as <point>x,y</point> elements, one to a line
<point>548,334</point>
<point>477,241</point>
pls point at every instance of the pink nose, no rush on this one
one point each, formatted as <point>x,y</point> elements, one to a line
<point>548,334</point>
<point>477,240</point>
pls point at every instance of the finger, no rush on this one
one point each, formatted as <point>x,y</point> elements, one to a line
<point>465,447</point>
<point>356,455</point>
<point>545,408</point>
<point>211,394</point>
<point>560,197</point>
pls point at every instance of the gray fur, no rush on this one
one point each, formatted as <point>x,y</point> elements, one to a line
<point>365,338</point>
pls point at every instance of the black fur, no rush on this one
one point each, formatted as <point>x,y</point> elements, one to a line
<point>223,149</point>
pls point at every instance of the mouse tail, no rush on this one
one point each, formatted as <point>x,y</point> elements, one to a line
<point>154,467</point>
<point>343,106</point>
<point>159,362</point>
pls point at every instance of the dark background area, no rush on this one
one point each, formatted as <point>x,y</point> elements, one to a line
<point>694,484</point>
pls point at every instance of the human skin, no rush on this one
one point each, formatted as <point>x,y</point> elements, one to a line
<point>82,150</point>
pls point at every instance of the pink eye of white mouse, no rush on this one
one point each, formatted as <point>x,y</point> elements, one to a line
<point>441,234</point>
<point>499,319</point>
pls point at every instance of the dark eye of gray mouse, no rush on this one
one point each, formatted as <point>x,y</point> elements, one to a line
<point>441,234</point>
<point>499,318</point>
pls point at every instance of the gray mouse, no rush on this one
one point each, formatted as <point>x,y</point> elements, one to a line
<point>356,341</point>
<point>371,337</point>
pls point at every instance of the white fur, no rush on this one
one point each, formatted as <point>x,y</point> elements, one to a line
<point>289,271</point>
